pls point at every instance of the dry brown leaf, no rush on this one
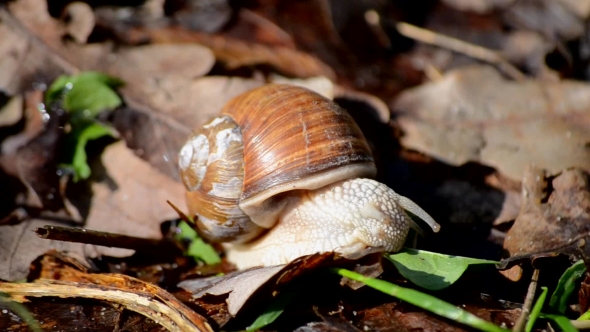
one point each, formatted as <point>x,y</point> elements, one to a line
<point>80,21</point>
<point>245,286</point>
<point>131,199</point>
<point>143,66</point>
<point>478,6</point>
<point>12,111</point>
<point>254,27</point>
<point>474,114</point>
<point>564,19</point>
<point>555,212</point>
<point>128,198</point>
<point>235,53</point>
<point>238,286</point>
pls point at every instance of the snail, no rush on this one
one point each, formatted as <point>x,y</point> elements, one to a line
<point>284,172</point>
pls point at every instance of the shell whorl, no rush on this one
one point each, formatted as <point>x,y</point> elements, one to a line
<point>211,168</point>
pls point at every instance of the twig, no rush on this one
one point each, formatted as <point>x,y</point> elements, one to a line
<point>80,235</point>
<point>459,46</point>
<point>157,305</point>
<point>528,303</point>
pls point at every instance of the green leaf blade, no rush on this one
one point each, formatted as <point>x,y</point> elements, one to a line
<point>86,94</point>
<point>272,312</point>
<point>198,249</point>
<point>424,301</point>
<point>79,137</point>
<point>566,286</point>
<point>536,311</point>
<point>201,250</point>
<point>430,270</point>
<point>563,322</point>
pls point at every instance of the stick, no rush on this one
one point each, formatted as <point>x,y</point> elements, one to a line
<point>150,301</point>
<point>81,235</point>
<point>528,303</point>
<point>478,52</point>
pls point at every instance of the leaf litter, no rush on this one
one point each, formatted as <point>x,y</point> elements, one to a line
<point>476,129</point>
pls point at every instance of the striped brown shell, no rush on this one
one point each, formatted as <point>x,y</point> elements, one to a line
<point>211,168</point>
<point>293,140</point>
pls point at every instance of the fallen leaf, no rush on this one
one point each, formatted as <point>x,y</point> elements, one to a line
<point>206,16</point>
<point>11,112</point>
<point>131,196</point>
<point>239,286</point>
<point>562,19</point>
<point>584,294</point>
<point>474,114</point>
<point>478,6</point>
<point>555,212</point>
<point>80,21</point>
<point>128,197</point>
<point>254,27</point>
<point>234,53</point>
<point>32,155</point>
<point>245,286</point>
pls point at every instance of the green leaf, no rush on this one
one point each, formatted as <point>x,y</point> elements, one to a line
<point>186,232</point>
<point>584,316</point>
<point>198,249</point>
<point>563,322</point>
<point>536,311</point>
<point>566,286</point>
<point>424,301</point>
<point>430,270</point>
<point>272,312</point>
<point>82,132</point>
<point>86,94</point>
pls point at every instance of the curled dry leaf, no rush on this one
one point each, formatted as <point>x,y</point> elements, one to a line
<point>474,114</point>
<point>554,214</point>
<point>241,287</point>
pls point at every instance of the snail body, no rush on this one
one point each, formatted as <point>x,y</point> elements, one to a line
<point>284,172</point>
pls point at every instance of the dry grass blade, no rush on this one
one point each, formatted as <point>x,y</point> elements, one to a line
<point>151,301</point>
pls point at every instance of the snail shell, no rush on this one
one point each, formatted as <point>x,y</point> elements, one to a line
<point>270,148</point>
